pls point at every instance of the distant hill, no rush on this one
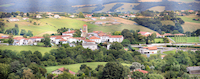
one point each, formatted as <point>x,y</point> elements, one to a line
<point>94,5</point>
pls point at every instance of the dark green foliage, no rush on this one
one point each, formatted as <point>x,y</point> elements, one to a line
<point>113,70</point>
<point>81,15</point>
<point>138,75</point>
<point>2,28</point>
<point>60,31</point>
<point>30,34</point>
<point>23,32</point>
<point>77,33</point>
<point>116,46</point>
<point>166,40</point>
<point>125,42</point>
<point>47,40</point>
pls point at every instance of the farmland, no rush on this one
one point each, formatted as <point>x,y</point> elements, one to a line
<point>189,39</point>
<point>27,48</point>
<point>158,8</point>
<point>76,67</point>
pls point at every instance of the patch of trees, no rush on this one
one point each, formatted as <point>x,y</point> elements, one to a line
<point>5,15</point>
<point>98,8</point>
<point>100,14</point>
<point>115,7</point>
<point>156,25</point>
<point>14,31</point>
<point>148,13</point>
<point>61,30</point>
<point>2,28</point>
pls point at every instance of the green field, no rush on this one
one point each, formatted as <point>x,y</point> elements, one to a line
<point>190,18</point>
<point>158,40</point>
<point>189,39</point>
<point>169,52</point>
<point>76,67</point>
<point>26,48</point>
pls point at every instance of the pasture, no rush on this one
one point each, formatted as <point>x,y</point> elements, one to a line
<point>27,48</point>
<point>76,67</point>
<point>170,52</point>
<point>158,8</point>
<point>189,39</point>
<point>159,40</point>
<point>190,18</point>
<point>128,7</point>
<point>107,7</point>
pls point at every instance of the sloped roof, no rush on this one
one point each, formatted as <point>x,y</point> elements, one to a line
<point>116,36</point>
<point>18,38</point>
<point>72,72</point>
<point>36,37</point>
<point>150,48</point>
<point>94,37</point>
<point>63,40</point>
<point>69,32</point>
<point>143,71</point>
<point>59,37</point>
<point>88,40</point>
<point>180,34</point>
<point>61,69</point>
<point>84,25</point>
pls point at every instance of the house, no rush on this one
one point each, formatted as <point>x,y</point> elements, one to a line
<point>89,44</point>
<point>57,39</point>
<point>38,16</point>
<point>102,17</point>
<point>61,70</point>
<point>13,19</point>
<point>69,32</point>
<point>96,39</point>
<point>56,16</point>
<point>168,34</point>
<point>193,69</point>
<point>71,16</point>
<point>88,16</point>
<point>36,38</point>
<point>25,18</point>
<point>49,13</point>
<point>22,41</point>
<point>148,50</point>
<point>63,41</point>
<point>132,15</point>
<point>94,18</point>
<point>144,33</point>
<point>143,71</point>
<point>116,38</point>
<point>190,11</point>
<point>179,34</point>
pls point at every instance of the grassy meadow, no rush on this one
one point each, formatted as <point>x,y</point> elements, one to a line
<point>76,67</point>
<point>169,52</point>
<point>189,39</point>
<point>159,40</point>
<point>27,48</point>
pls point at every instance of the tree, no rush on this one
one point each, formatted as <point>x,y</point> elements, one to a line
<point>117,33</point>
<point>30,34</point>
<point>38,54</point>
<point>10,40</point>
<point>81,15</point>
<point>13,76</point>
<point>147,68</point>
<point>2,28</point>
<point>77,33</point>
<point>15,65</point>
<point>113,70</point>
<point>4,70</point>
<point>166,40</point>
<point>27,73</point>
<point>66,75</point>
<point>125,42</point>
<point>34,23</point>
<point>135,65</point>
<point>116,46</point>
<point>138,75</point>
<point>23,32</point>
<point>47,40</point>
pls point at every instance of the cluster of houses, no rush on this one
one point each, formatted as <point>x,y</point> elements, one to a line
<point>89,40</point>
<point>127,15</point>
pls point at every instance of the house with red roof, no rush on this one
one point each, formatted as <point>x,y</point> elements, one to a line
<point>140,70</point>
<point>88,16</point>
<point>61,70</point>
<point>36,38</point>
<point>69,32</point>
<point>116,38</point>
<point>22,41</point>
<point>148,50</point>
<point>89,44</point>
<point>13,19</point>
<point>96,39</point>
<point>144,33</point>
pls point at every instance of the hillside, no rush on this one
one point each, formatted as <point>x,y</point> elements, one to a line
<point>50,25</point>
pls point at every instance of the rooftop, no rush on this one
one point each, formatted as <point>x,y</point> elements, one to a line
<point>150,48</point>
<point>143,71</point>
<point>94,37</point>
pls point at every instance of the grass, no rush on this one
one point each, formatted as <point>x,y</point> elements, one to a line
<point>85,9</point>
<point>158,8</point>
<point>190,18</point>
<point>127,7</point>
<point>135,48</point>
<point>158,40</point>
<point>76,67</point>
<point>47,25</point>
<point>107,7</point>
<point>190,26</point>
<point>27,48</point>
<point>189,39</point>
<point>169,52</point>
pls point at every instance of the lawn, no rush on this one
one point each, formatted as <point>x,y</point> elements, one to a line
<point>158,40</point>
<point>135,48</point>
<point>26,48</point>
<point>189,39</point>
<point>169,52</point>
<point>76,67</point>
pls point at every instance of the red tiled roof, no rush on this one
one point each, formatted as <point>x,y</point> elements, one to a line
<point>37,37</point>
<point>88,15</point>
<point>63,40</point>
<point>66,35</point>
<point>84,25</point>
<point>18,38</point>
<point>89,40</point>
<point>163,56</point>
<point>150,48</point>
<point>80,38</point>
<point>142,33</point>
<point>72,72</point>
<point>97,31</point>
<point>116,36</point>
<point>68,32</point>
<point>26,39</point>
<point>179,34</point>
<point>94,37</point>
<point>101,34</point>
<point>58,37</point>
<point>143,71</point>
<point>61,69</point>
<point>167,34</point>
